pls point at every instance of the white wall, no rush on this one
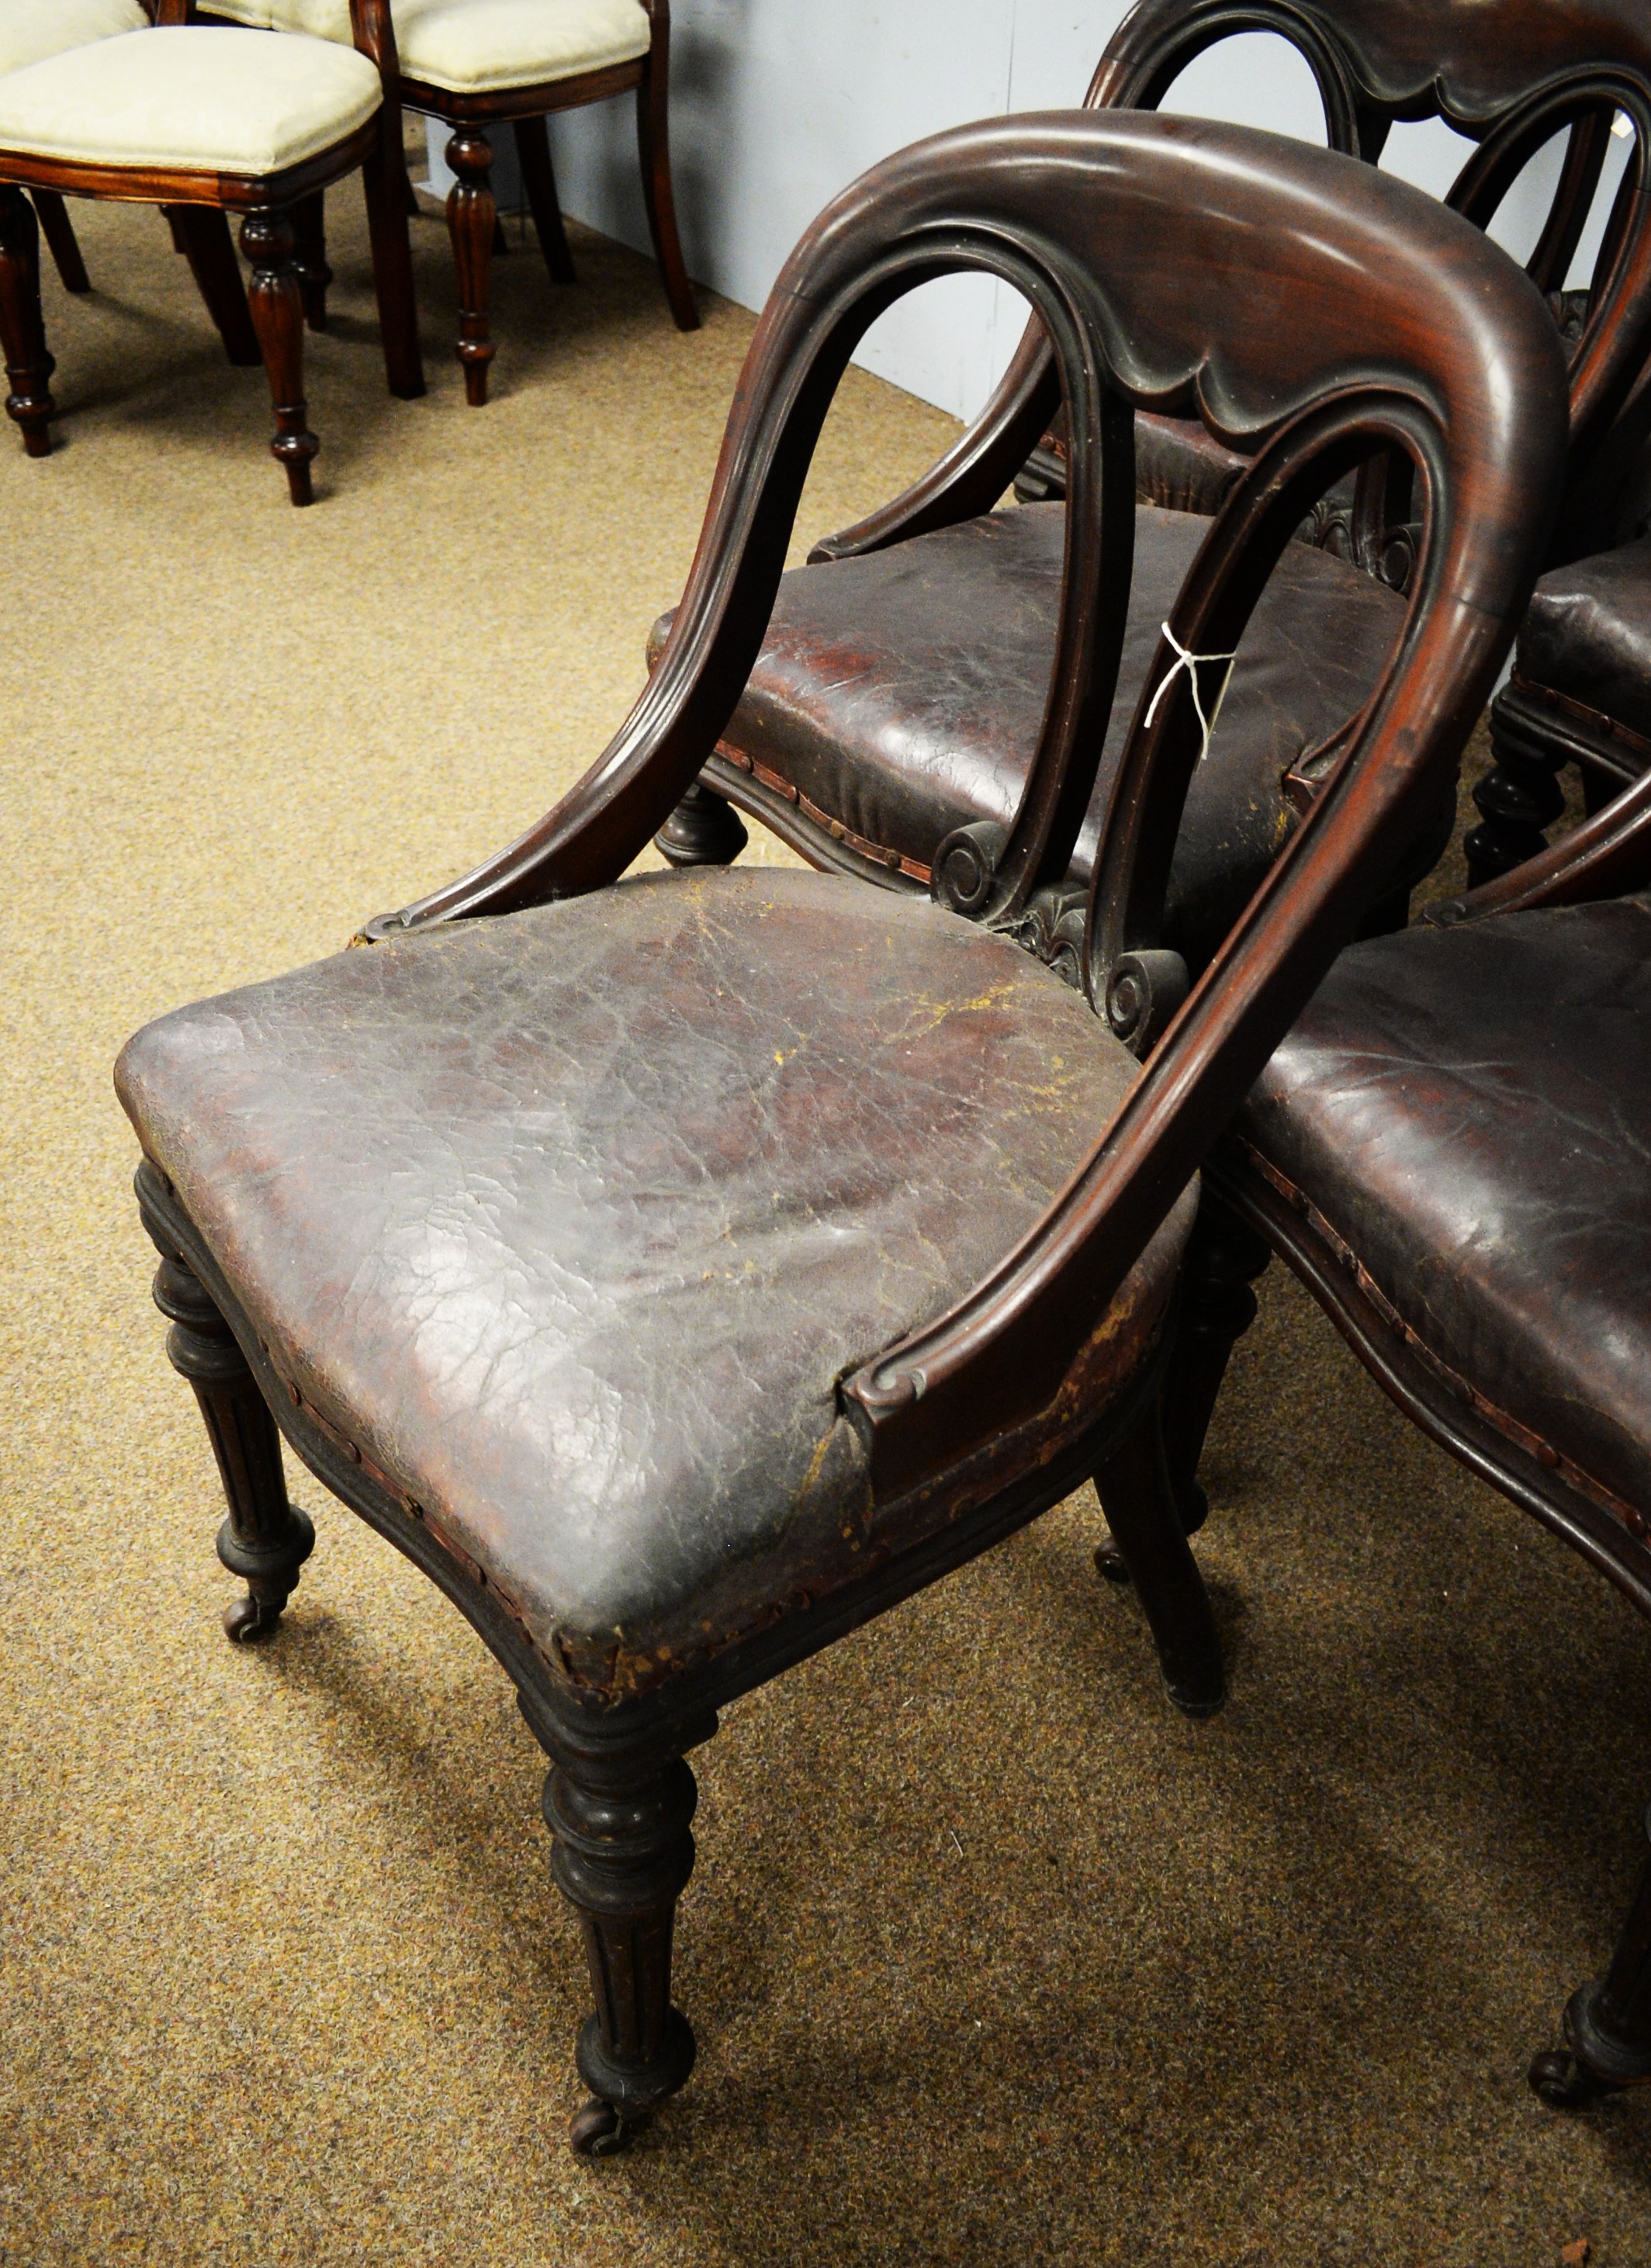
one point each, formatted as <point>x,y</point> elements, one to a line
<point>778,104</point>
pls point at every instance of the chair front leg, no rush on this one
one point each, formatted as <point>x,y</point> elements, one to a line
<point>472,217</point>
<point>29,366</point>
<point>1607,2026</point>
<point>622,1855</point>
<point>309,257</point>
<point>277,314</point>
<point>266,1539</point>
<point>60,234</point>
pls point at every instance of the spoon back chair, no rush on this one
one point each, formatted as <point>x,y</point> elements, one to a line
<point>683,1269</point>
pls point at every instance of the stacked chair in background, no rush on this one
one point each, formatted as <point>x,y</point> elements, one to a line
<point>683,1270</point>
<point>206,121</point>
<point>31,30</point>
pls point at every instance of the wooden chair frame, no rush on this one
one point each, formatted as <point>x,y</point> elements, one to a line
<point>269,238</point>
<point>1479,408</point>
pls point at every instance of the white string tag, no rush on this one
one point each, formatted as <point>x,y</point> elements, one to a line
<point>1191,662</point>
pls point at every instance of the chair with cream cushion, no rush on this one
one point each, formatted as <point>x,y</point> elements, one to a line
<point>191,115</point>
<point>477,63</point>
<point>30,30</point>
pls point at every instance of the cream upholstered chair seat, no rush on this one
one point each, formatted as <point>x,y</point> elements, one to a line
<point>190,98</point>
<point>476,46</point>
<point>30,30</point>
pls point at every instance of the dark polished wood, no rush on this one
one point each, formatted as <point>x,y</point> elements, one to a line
<point>538,175</point>
<point>59,232</point>
<point>472,218</point>
<point>277,313</point>
<point>29,366</point>
<point>200,232</point>
<point>309,257</point>
<point>997,1408</point>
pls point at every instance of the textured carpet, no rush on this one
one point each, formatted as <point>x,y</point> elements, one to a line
<point>994,1960</point>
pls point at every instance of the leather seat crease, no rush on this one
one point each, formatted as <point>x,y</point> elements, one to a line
<point>571,1221</point>
<point>902,693</point>
<point>1468,1108</point>
<point>1588,634</point>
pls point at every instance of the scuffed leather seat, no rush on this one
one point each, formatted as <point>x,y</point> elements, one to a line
<point>1588,635</point>
<point>1466,1110</point>
<point>901,694</point>
<point>571,1223</point>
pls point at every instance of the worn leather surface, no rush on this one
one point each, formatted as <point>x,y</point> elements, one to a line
<point>571,1221</point>
<point>1468,1109</point>
<point>1587,634</point>
<point>902,693</point>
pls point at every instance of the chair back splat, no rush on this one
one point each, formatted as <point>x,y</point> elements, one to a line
<point>683,1268</point>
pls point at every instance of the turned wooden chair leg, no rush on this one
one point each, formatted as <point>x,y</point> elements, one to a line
<point>266,1539</point>
<point>1217,1307</point>
<point>277,314</point>
<point>654,144</point>
<point>704,830</point>
<point>538,176</point>
<point>622,1856</point>
<point>471,220</point>
<point>1134,1489</point>
<point>309,257</point>
<point>29,366</point>
<point>1518,798</point>
<point>1607,2026</point>
<point>60,234</point>
<point>389,192</point>
<point>200,233</point>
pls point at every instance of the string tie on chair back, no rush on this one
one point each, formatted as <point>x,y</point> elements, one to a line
<point>1185,658</point>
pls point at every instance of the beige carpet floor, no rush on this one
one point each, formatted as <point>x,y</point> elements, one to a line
<point>994,1960</point>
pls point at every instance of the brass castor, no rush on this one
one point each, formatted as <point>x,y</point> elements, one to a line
<point>247,1620</point>
<point>600,2130</point>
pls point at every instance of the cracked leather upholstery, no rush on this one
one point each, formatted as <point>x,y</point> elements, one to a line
<point>902,693</point>
<point>571,1221</point>
<point>1469,1108</point>
<point>1587,634</point>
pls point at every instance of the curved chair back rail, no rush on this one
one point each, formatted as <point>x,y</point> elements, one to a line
<point>1439,348</point>
<point>1509,74</point>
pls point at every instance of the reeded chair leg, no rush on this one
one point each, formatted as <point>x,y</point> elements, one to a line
<point>704,830</point>
<point>1518,798</point>
<point>29,366</point>
<point>472,217</point>
<point>1134,1489</point>
<point>60,234</point>
<point>538,175</point>
<point>200,232</point>
<point>277,314</point>
<point>309,257</point>
<point>1607,2027</point>
<point>389,193</point>
<point>265,1540</point>
<point>1224,1256</point>
<point>622,1856</point>
<point>653,146</point>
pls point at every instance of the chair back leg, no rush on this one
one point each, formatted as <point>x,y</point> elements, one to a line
<point>29,366</point>
<point>1607,2026</point>
<point>268,239</point>
<point>60,234</point>
<point>200,232</point>
<point>538,175</point>
<point>654,144</point>
<point>472,217</point>
<point>309,257</point>
<point>389,192</point>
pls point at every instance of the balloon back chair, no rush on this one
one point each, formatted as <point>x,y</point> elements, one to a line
<point>481,65</point>
<point>30,30</point>
<point>204,120</point>
<point>899,694</point>
<point>683,1269</point>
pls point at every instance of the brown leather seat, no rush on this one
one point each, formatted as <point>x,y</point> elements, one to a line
<point>1588,635</point>
<point>1467,1109</point>
<point>576,1261</point>
<point>901,695</point>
